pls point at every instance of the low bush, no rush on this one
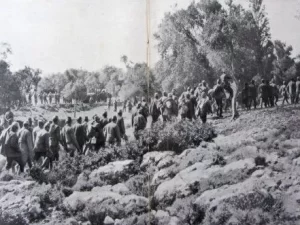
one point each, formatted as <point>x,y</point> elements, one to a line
<point>176,136</point>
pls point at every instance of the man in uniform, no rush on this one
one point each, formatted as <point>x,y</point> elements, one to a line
<point>41,146</point>
<point>98,126</point>
<point>112,132</point>
<point>129,106</point>
<point>26,144</point>
<point>104,120</point>
<point>12,148</point>
<point>275,92</point>
<point>37,129</point>
<point>124,105</point>
<point>297,89</point>
<point>169,110</point>
<point>252,94</point>
<point>264,96</point>
<point>154,108</point>
<point>145,108</point>
<point>121,125</point>
<point>29,98</point>
<point>80,134</point>
<point>245,97</point>
<point>35,98</point>
<point>41,97</point>
<point>292,91</point>
<point>115,105</point>
<point>45,98</point>
<point>54,139</point>
<point>219,94</point>
<point>8,116</point>
<point>284,93</point>
<point>139,123</point>
<point>109,104</point>
<point>69,139</point>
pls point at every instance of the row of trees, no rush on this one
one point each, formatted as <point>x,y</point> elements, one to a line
<point>76,83</point>
<point>14,86</point>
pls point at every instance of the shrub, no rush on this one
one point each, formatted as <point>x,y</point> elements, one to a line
<point>176,136</point>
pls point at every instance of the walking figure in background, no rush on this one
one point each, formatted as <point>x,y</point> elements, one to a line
<point>109,104</point>
<point>129,106</point>
<point>124,105</point>
<point>69,139</point>
<point>42,152</point>
<point>218,94</point>
<point>112,133</point>
<point>292,91</point>
<point>30,98</point>
<point>41,97</point>
<point>284,93</point>
<point>26,144</point>
<point>263,90</point>
<point>12,149</point>
<point>252,94</point>
<point>50,98</point>
<point>45,98</point>
<point>297,90</point>
<point>35,98</point>
<point>115,105</point>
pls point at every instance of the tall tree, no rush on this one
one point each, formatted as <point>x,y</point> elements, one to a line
<point>262,44</point>
<point>182,62</point>
<point>28,78</point>
<point>284,64</point>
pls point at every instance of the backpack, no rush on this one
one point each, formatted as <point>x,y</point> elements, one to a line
<point>7,144</point>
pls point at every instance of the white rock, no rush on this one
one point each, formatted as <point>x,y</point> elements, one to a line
<point>108,221</point>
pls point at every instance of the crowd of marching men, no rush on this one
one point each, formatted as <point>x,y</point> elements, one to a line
<point>40,144</point>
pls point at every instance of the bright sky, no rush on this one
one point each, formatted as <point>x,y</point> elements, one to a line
<point>55,35</point>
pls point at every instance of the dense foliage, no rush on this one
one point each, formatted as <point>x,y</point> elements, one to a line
<point>176,136</point>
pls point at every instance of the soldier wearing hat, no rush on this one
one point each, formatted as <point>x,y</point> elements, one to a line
<point>154,110</point>
<point>54,138</point>
<point>69,139</point>
<point>284,93</point>
<point>37,129</point>
<point>80,134</point>
<point>41,145</point>
<point>112,132</point>
<point>297,90</point>
<point>26,144</point>
<point>12,148</point>
<point>121,124</point>
<point>139,123</point>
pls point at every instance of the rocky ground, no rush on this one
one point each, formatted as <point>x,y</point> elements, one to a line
<point>248,175</point>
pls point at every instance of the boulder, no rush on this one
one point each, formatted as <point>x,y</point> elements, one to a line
<point>163,159</point>
<point>201,177</point>
<point>118,188</point>
<point>134,204</point>
<point>231,142</point>
<point>78,200</point>
<point>113,202</point>
<point>108,221</point>
<point>291,143</point>
<point>2,162</point>
<point>18,202</point>
<point>236,202</point>
<point>113,172</point>
<point>162,175</point>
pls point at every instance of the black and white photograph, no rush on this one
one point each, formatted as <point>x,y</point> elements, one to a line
<point>150,112</point>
